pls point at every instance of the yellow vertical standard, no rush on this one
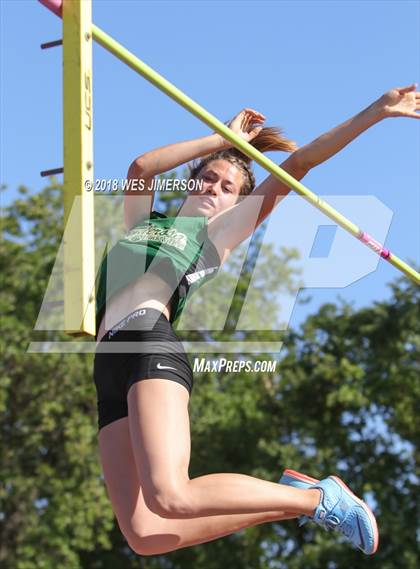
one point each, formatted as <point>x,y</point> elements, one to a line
<point>79,251</point>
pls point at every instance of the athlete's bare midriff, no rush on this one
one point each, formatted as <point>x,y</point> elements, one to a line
<point>149,290</point>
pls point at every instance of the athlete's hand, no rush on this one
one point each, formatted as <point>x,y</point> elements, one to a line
<point>246,124</point>
<point>400,102</point>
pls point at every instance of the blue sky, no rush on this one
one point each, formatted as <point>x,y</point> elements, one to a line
<point>306,65</point>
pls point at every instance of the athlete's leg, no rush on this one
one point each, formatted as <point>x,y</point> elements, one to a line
<point>160,436</point>
<point>146,532</point>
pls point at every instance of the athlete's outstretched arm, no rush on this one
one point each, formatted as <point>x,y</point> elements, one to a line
<point>232,226</point>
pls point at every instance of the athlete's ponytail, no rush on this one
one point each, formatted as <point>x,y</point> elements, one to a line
<point>271,138</point>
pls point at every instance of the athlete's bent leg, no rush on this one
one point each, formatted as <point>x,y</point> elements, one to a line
<point>146,532</point>
<point>160,436</point>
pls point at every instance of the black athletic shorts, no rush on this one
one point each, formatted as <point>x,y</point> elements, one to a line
<point>141,346</point>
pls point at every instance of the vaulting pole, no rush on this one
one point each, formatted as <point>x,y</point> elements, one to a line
<point>169,89</point>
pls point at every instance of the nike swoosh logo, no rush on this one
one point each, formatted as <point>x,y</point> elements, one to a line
<point>160,366</point>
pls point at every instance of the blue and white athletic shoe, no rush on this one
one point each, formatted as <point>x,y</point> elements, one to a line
<point>338,510</point>
<point>341,510</point>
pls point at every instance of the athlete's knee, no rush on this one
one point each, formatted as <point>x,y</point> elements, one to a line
<point>143,544</point>
<point>151,538</point>
<point>145,535</point>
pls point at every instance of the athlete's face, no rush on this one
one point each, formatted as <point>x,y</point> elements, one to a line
<point>221,186</point>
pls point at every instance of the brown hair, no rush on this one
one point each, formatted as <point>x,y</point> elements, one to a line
<point>269,138</point>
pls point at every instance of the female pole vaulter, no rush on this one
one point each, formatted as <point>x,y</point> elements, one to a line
<point>144,434</point>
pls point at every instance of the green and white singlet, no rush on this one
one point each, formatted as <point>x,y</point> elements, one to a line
<point>178,249</point>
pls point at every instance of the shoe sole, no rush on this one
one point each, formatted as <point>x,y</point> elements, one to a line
<point>300,477</point>
<point>366,509</point>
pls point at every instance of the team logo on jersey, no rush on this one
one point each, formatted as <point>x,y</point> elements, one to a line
<point>169,236</point>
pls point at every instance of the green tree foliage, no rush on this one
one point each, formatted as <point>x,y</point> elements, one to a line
<point>343,400</point>
<point>53,504</point>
